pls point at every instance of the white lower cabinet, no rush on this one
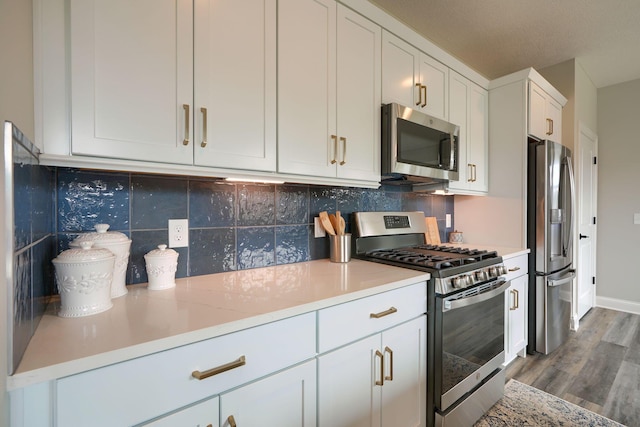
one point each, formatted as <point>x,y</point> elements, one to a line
<point>377,381</point>
<point>378,378</point>
<point>287,398</point>
<point>141,389</point>
<point>516,308</point>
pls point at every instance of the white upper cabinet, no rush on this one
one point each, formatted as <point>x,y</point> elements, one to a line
<point>133,81</point>
<point>413,79</point>
<point>235,84</point>
<point>131,75</point>
<point>545,114</point>
<point>469,109</point>
<point>328,91</point>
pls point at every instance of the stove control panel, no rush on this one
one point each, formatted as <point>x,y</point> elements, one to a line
<point>465,280</point>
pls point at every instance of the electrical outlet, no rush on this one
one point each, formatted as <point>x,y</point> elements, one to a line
<point>178,233</point>
<point>318,229</point>
<point>447,220</point>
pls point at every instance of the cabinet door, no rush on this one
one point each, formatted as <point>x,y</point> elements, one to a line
<point>537,114</point>
<point>554,126</point>
<point>347,390</point>
<point>478,138</point>
<point>458,114</point>
<point>131,76</point>
<point>468,108</point>
<point>359,96</point>
<point>287,398</point>
<point>307,139</point>
<point>516,306</point>
<point>235,84</point>
<point>204,414</point>
<point>434,78</point>
<point>405,386</point>
<point>400,71</point>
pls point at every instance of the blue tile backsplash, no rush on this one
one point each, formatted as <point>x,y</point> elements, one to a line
<point>231,226</point>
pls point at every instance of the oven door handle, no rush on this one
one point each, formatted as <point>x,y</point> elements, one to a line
<point>465,302</point>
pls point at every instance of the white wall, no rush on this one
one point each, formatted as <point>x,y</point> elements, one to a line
<point>16,104</point>
<point>618,253</point>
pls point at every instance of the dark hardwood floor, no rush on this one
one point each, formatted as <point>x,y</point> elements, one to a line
<point>598,368</point>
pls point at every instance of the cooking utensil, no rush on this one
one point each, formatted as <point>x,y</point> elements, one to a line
<point>340,224</point>
<point>334,222</point>
<point>326,223</point>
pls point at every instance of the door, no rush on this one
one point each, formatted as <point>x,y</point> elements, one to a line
<point>350,385</point>
<point>588,189</point>
<point>307,140</point>
<point>287,398</point>
<point>132,79</point>
<point>235,84</point>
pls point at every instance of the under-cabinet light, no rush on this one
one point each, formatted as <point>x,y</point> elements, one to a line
<point>259,180</point>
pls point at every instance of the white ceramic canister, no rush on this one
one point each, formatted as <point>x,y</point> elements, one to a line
<point>84,276</point>
<point>455,236</point>
<point>162,264</point>
<point>119,244</point>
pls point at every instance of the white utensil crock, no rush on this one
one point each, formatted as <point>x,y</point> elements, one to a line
<point>119,244</point>
<point>83,276</point>
<point>162,264</point>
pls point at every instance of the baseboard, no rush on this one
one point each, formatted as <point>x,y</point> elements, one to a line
<point>618,304</point>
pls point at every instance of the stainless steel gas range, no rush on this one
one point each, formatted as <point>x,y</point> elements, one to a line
<point>465,312</point>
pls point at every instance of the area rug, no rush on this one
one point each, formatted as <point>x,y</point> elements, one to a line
<point>523,405</point>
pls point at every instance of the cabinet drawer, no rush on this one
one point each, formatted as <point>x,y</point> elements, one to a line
<point>517,266</point>
<point>141,389</point>
<point>351,321</point>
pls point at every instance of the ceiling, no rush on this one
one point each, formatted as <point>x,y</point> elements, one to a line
<point>498,37</point>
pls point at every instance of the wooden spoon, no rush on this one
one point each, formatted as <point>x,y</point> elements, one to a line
<point>334,222</point>
<point>326,223</point>
<point>340,224</point>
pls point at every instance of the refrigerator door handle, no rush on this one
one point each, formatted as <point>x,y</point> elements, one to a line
<point>572,184</point>
<point>564,280</point>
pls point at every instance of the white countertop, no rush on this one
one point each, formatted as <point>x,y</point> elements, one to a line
<point>144,322</point>
<point>201,307</point>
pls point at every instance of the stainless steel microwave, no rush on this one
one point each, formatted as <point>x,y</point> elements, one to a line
<point>418,146</point>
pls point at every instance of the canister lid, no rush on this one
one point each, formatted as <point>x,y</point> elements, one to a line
<point>84,253</point>
<point>101,236</point>
<point>162,252</point>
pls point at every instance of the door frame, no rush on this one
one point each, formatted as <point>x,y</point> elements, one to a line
<point>584,131</point>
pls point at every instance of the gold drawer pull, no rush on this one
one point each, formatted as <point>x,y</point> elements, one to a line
<point>334,138</point>
<point>204,127</point>
<point>514,269</point>
<point>185,141</point>
<point>219,369</point>
<point>381,356</point>
<point>390,376</point>
<point>383,313</point>
<point>231,421</point>
<point>344,150</point>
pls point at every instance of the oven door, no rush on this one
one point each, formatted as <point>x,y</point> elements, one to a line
<point>469,340</point>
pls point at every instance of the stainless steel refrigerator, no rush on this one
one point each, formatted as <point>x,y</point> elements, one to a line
<point>550,224</point>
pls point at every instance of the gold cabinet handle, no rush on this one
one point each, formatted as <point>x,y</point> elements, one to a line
<point>424,88</point>
<point>549,127</point>
<point>335,148</point>
<point>517,294</point>
<point>514,269</point>
<point>390,376</point>
<point>475,174</point>
<point>219,369</point>
<point>344,150</point>
<point>204,127</point>
<point>231,421</point>
<point>512,306</point>
<point>381,356</point>
<point>419,86</point>
<point>383,313</point>
<point>185,141</point>
<point>470,168</point>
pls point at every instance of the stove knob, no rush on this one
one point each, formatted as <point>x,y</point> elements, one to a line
<point>459,282</point>
<point>481,275</point>
<point>493,272</point>
<point>503,270</point>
